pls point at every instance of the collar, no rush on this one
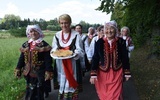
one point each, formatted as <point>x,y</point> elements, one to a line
<point>35,41</point>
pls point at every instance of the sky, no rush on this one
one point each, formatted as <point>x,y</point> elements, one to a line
<point>79,10</point>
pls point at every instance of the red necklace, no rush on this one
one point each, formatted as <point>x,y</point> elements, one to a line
<point>66,40</point>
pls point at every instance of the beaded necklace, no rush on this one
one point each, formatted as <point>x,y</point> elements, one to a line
<point>67,39</point>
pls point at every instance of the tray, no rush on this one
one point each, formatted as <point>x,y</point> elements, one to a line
<point>55,57</point>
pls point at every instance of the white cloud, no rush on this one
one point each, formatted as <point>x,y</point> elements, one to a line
<point>12,9</point>
<point>76,9</point>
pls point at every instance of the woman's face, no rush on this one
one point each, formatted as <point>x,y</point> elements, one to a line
<point>124,32</point>
<point>110,32</point>
<point>34,34</point>
<point>65,25</point>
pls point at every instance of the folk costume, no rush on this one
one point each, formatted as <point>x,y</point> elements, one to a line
<point>92,46</point>
<point>110,63</point>
<point>66,69</point>
<point>129,44</point>
<point>36,65</point>
<point>84,60</point>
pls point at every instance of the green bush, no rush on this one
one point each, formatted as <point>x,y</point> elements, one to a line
<point>21,32</point>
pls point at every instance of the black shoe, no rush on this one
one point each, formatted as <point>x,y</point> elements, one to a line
<point>46,95</point>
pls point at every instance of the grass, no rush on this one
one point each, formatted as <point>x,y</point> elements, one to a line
<point>5,34</point>
<point>146,73</point>
<point>10,87</point>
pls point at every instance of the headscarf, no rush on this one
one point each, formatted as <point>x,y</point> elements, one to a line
<point>112,23</point>
<point>36,28</point>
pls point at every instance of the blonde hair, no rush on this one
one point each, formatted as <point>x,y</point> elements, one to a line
<point>65,17</point>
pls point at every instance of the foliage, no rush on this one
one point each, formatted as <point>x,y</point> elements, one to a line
<point>21,32</point>
<point>10,21</point>
<point>52,25</point>
<point>86,25</point>
<point>118,14</point>
<point>146,73</point>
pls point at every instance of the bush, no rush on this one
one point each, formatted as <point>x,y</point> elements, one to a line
<point>146,73</point>
<point>21,32</point>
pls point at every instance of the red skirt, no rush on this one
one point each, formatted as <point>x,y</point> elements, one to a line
<point>109,84</point>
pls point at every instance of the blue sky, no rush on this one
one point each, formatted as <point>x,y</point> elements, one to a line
<point>50,9</point>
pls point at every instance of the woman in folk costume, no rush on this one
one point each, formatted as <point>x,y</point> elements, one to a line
<point>100,34</point>
<point>35,63</point>
<point>129,43</point>
<point>110,63</point>
<point>67,39</point>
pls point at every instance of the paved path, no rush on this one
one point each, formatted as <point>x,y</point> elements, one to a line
<point>89,92</point>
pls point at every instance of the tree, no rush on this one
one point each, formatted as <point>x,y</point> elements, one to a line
<point>11,21</point>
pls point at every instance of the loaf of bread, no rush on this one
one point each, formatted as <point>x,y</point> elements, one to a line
<point>62,53</point>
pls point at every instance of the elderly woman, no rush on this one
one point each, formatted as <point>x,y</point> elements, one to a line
<point>35,63</point>
<point>109,63</point>
<point>100,34</point>
<point>125,31</point>
<point>66,67</point>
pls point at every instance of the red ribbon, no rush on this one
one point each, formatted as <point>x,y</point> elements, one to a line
<point>67,65</point>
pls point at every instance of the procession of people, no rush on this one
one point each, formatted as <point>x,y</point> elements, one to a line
<point>102,52</point>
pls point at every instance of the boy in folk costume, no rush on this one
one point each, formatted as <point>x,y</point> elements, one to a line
<point>66,69</point>
<point>35,63</point>
<point>110,63</point>
<point>129,43</point>
<point>83,60</point>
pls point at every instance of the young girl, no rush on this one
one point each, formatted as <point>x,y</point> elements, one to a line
<point>66,69</point>
<point>35,63</point>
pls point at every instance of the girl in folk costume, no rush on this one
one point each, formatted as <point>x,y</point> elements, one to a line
<point>129,43</point>
<point>110,63</point>
<point>67,68</point>
<point>35,63</point>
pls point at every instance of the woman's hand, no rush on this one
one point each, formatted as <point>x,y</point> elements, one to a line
<point>127,78</point>
<point>92,80</point>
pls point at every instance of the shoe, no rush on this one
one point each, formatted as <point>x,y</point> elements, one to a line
<point>46,94</point>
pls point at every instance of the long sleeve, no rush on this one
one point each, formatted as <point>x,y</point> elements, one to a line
<point>79,50</point>
<point>91,48</point>
<point>21,62</point>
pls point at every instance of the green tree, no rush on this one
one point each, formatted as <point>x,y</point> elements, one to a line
<point>118,13</point>
<point>11,21</point>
